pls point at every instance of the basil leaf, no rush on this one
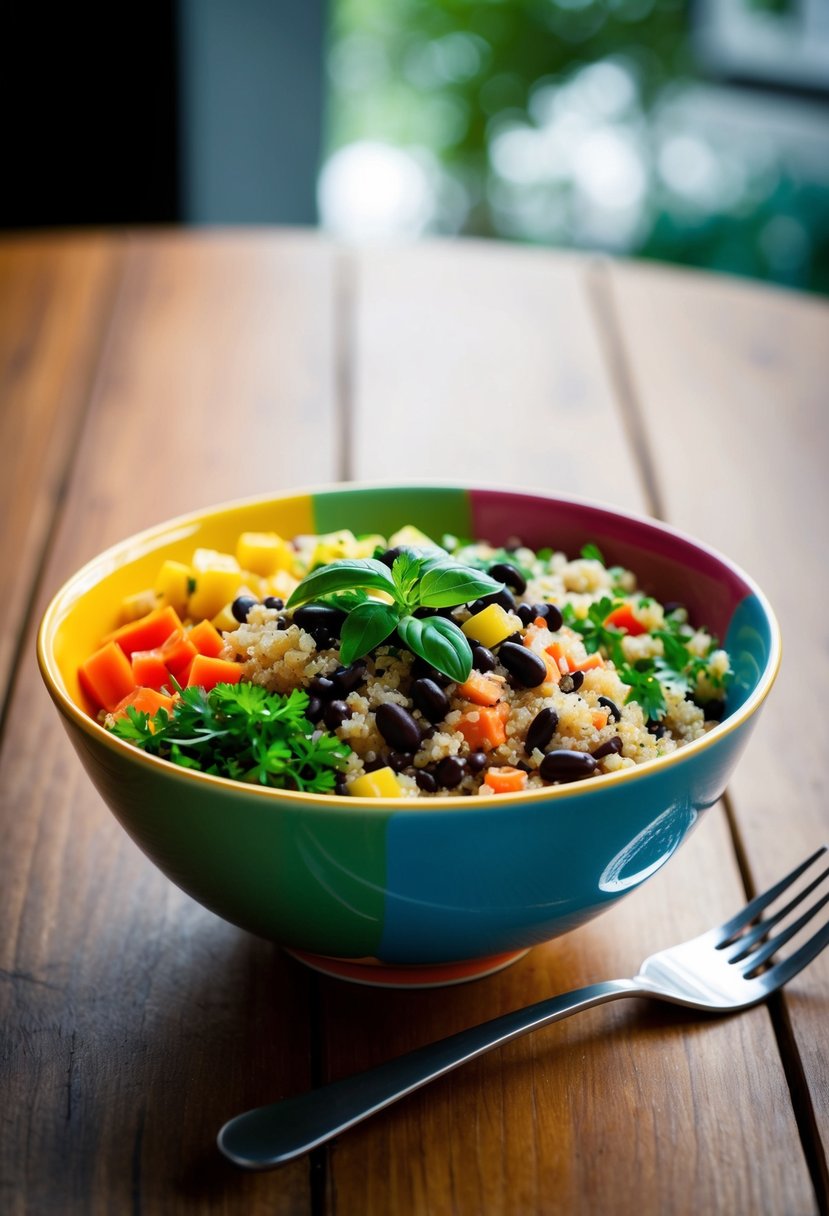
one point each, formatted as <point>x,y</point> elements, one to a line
<point>445,585</point>
<point>405,571</point>
<point>439,642</point>
<point>343,574</point>
<point>365,627</point>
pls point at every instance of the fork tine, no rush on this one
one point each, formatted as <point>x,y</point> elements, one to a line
<point>787,968</point>
<point>765,952</point>
<point>744,944</point>
<point>731,927</point>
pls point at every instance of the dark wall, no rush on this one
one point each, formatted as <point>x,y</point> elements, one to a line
<point>90,114</point>
<point>161,111</point>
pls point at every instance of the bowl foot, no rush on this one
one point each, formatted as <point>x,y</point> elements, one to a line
<point>376,974</point>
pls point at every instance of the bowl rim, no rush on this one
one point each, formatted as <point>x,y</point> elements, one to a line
<point>65,595</point>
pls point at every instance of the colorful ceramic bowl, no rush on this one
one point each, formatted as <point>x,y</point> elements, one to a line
<point>436,890</point>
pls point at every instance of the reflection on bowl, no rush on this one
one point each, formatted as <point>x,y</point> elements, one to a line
<point>429,891</point>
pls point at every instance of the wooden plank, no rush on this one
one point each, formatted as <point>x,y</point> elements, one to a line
<point>55,299</point>
<point>142,1022</point>
<point>748,368</point>
<point>458,356</point>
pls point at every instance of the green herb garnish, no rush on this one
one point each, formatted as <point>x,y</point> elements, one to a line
<point>592,553</point>
<point>417,579</point>
<point>243,732</point>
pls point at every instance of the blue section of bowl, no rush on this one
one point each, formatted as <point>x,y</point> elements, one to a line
<point>749,642</point>
<point>495,878</point>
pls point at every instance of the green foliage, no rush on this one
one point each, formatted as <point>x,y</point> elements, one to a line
<point>243,732</point>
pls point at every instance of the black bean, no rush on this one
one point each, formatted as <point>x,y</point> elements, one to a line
<point>426,781</point>
<point>482,658</point>
<point>314,711</point>
<point>551,614</point>
<point>430,699</point>
<point>320,620</point>
<point>506,573</point>
<point>523,664</point>
<point>564,765</point>
<point>398,727</point>
<point>476,761</point>
<point>336,712</point>
<point>322,687</point>
<point>399,760</point>
<point>525,614</point>
<point>371,766</point>
<point>611,747</point>
<point>541,730</point>
<point>341,786</point>
<point>273,601</point>
<point>504,597</point>
<point>389,556</point>
<point>572,682</point>
<point>611,707</point>
<point>346,679</point>
<point>655,728</point>
<point>241,606</point>
<point>714,710</point>
<point>450,772</point>
<point>421,670</point>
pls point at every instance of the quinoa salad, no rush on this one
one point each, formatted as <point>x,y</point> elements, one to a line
<point>404,667</point>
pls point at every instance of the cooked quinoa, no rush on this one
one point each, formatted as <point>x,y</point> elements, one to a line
<point>588,622</point>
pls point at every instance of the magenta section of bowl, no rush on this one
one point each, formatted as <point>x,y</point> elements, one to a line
<point>667,564</point>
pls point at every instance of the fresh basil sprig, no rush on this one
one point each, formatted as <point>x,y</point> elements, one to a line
<point>418,578</point>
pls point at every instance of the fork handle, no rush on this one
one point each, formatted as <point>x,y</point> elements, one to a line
<point>269,1136</point>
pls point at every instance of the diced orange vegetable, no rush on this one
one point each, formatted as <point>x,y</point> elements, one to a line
<point>567,664</point>
<point>623,618</point>
<point>176,653</point>
<point>481,689</point>
<point>486,730</point>
<point>106,676</point>
<point>599,717</point>
<point>149,670</point>
<point>207,639</point>
<point>145,700</point>
<point>148,631</point>
<point>206,672</point>
<point>504,779</point>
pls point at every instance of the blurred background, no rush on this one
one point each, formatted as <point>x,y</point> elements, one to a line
<point>689,131</point>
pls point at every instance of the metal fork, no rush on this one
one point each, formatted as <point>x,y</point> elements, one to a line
<point>728,968</point>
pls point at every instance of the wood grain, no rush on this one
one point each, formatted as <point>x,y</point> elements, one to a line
<point>749,368</point>
<point>500,360</point>
<point>140,1021</point>
<point>55,300</point>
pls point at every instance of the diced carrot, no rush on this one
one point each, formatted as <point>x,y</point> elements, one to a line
<point>106,676</point>
<point>148,631</point>
<point>566,663</point>
<point>504,779</point>
<point>540,622</point>
<point>206,672</point>
<point>623,618</point>
<point>145,700</point>
<point>176,653</point>
<point>587,664</point>
<point>481,689</point>
<point>207,639</point>
<point>599,717</point>
<point>149,670</point>
<point>486,730</point>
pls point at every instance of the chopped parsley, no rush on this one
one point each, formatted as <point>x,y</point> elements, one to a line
<point>243,732</point>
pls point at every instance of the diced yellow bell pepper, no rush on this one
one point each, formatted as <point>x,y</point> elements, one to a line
<point>263,553</point>
<point>218,578</point>
<point>173,585</point>
<point>491,625</point>
<point>382,783</point>
<point>410,535</point>
<point>133,607</point>
<point>331,546</point>
<point>224,620</point>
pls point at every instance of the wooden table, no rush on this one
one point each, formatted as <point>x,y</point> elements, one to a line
<point>146,374</point>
